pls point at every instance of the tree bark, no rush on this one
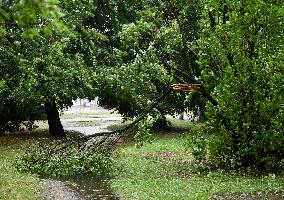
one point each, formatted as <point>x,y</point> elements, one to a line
<point>54,123</point>
<point>181,116</point>
<point>162,124</point>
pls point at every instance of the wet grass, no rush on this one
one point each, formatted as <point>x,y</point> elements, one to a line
<point>84,115</point>
<point>87,123</point>
<point>177,124</point>
<point>164,170</point>
<point>15,185</point>
<point>118,126</point>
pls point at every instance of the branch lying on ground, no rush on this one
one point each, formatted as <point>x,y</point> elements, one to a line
<point>67,142</point>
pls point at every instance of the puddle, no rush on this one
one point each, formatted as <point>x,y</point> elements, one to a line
<point>90,187</point>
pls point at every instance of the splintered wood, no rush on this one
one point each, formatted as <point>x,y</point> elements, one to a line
<point>185,88</point>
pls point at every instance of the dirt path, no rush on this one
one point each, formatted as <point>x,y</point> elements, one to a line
<point>57,190</point>
<point>87,120</point>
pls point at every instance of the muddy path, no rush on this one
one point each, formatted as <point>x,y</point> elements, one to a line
<point>86,120</point>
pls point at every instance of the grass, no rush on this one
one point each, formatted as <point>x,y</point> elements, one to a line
<point>118,126</point>
<point>87,123</point>
<point>15,185</point>
<point>175,124</point>
<point>83,115</point>
<point>180,124</point>
<point>163,170</point>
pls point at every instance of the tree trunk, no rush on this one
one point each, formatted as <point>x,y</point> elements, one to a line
<point>181,116</point>
<point>54,123</point>
<point>162,123</point>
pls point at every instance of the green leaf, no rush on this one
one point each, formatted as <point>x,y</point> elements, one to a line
<point>2,85</point>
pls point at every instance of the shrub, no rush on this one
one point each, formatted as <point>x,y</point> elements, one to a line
<point>16,115</point>
<point>197,144</point>
<point>242,69</point>
<point>264,151</point>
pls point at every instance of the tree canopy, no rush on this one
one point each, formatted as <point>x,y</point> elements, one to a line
<point>241,57</point>
<point>37,66</point>
<point>159,33</point>
<point>129,52</point>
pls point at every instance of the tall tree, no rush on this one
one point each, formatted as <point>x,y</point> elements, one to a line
<point>241,57</point>
<point>37,66</point>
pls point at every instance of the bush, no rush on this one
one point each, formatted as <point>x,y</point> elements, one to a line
<point>197,143</point>
<point>246,80</point>
<point>16,115</point>
<point>264,151</point>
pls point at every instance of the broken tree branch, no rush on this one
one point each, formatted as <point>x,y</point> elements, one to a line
<point>147,110</point>
<point>192,80</point>
<point>204,93</point>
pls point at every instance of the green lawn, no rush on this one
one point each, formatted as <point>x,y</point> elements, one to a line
<point>87,123</point>
<point>15,185</point>
<point>162,170</point>
<point>84,115</point>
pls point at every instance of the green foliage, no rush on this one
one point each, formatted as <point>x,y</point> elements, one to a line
<point>118,50</point>
<point>143,134</point>
<point>2,85</point>
<point>17,115</point>
<point>241,57</point>
<point>46,161</point>
<point>217,149</point>
<point>112,49</point>
<point>197,144</point>
<point>28,14</point>
<point>158,32</point>
<point>36,61</point>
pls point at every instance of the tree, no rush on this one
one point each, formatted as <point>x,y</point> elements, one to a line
<point>16,19</point>
<point>54,56</point>
<point>159,33</point>
<point>37,68</point>
<point>241,57</point>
